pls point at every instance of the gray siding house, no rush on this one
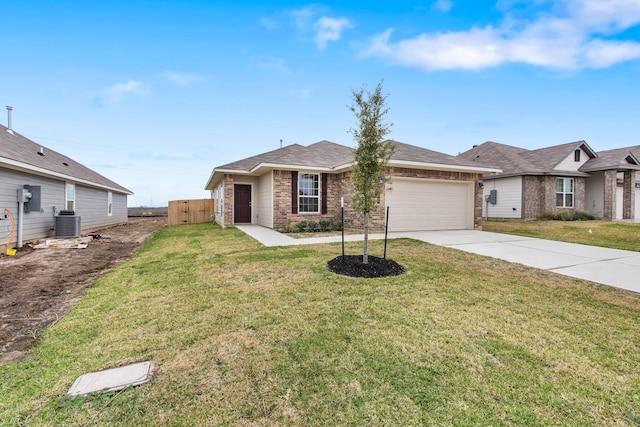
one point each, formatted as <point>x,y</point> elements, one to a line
<point>56,183</point>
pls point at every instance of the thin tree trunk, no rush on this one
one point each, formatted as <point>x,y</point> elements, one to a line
<point>365,256</point>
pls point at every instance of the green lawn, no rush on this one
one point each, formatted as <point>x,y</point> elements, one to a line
<point>596,233</point>
<point>246,335</point>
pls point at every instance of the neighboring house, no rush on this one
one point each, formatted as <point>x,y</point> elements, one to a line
<point>625,161</point>
<point>568,177</point>
<point>427,190</point>
<point>56,183</point>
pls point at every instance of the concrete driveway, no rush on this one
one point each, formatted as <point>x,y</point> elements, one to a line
<point>611,267</point>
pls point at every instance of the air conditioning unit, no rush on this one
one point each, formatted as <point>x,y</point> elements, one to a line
<point>67,226</point>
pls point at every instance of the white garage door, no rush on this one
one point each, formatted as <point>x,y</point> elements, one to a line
<point>416,204</point>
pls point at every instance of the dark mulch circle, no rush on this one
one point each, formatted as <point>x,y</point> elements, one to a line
<point>353,266</point>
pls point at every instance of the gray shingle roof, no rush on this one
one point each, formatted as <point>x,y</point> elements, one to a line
<point>514,160</point>
<point>19,149</point>
<point>412,153</point>
<point>619,158</point>
<point>327,154</point>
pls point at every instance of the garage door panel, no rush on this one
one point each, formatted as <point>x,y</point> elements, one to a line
<point>429,205</point>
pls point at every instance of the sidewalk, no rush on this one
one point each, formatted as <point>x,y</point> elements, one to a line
<point>611,267</point>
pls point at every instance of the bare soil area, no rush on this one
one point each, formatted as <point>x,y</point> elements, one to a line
<point>38,286</point>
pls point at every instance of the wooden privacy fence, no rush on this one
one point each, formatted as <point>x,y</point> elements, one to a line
<point>190,211</point>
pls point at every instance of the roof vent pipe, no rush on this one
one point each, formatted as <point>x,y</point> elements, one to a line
<point>9,109</point>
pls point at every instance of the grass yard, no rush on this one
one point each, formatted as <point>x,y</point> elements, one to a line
<point>253,336</point>
<point>607,234</point>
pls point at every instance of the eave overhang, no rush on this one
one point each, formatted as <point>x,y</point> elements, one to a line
<point>35,170</point>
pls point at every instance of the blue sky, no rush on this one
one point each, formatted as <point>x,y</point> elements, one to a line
<point>155,94</point>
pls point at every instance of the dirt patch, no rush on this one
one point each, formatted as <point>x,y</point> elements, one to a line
<point>38,286</point>
<point>353,266</point>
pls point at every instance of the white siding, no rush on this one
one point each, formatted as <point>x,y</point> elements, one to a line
<point>420,204</point>
<point>509,198</point>
<point>569,163</point>
<point>594,194</point>
<point>264,200</point>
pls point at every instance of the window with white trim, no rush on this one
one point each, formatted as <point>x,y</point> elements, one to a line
<point>564,192</point>
<point>70,196</point>
<point>308,194</point>
<point>109,203</point>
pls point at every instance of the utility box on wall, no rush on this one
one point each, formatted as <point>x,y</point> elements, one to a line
<point>493,197</point>
<point>33,203</point>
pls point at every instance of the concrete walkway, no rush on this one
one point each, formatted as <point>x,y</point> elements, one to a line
<point>611,267</point>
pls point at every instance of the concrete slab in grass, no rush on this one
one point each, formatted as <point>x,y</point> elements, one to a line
<point>113,379</point>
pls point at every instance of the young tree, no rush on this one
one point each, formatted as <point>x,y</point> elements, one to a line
<point>371,154</point>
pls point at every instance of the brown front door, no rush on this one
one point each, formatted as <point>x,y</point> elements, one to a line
<point>241,203</point>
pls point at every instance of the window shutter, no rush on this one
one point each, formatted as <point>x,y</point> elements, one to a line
<point>323,197</point>
<point>294,192</point>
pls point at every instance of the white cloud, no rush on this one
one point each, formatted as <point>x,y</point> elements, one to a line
<point>330,29</point>
<point>601,54</point>
<point>115,94</point>
<point>182,79</point>
<point>442,5</point>
<point>303,17</point>
<point>325,28</point>
<point>566,36</point>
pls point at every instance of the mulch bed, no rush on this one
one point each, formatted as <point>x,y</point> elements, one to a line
<point>353,266</point>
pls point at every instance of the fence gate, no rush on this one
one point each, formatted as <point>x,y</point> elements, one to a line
<point>190,211</point>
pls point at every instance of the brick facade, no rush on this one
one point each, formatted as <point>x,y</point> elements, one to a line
<point>610,194</point>
<point>629,195</point>
<point>340,186</point>
<point>228,200</point>
<point>539,194</point>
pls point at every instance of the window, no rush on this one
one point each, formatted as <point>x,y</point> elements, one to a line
<point>308,197</point>
<point>70,196</point>
<point>576,155</point>
<point>564,192</point>
<point>109,203</point>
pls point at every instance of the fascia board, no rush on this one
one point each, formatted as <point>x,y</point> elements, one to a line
<point>443,167</point>
<point>261,166</point>
<point>24,167</point>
